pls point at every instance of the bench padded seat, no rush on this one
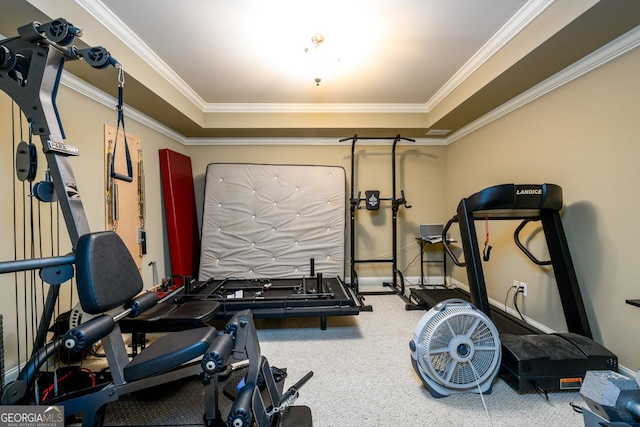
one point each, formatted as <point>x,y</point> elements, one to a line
<point>170,351</point>
<point>169,317</point>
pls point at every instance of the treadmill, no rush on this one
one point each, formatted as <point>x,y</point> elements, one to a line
<point>531,359</point>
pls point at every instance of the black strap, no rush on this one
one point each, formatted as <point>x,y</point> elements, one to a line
<point>113,174</point>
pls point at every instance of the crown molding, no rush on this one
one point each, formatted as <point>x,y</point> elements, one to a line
<point>301,141</point>
<point>527,14</point>
<point>315,108</point>
<point>623,44</point>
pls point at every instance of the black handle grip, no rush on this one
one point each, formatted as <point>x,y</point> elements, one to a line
<point>516,238</point>
<point>122,177</point>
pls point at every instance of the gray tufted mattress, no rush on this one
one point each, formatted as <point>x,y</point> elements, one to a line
<point>268,221</point>
<point>267,232</point>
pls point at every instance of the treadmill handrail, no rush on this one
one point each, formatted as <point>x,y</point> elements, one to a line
<point>447,249</point>
<point>516,238</point>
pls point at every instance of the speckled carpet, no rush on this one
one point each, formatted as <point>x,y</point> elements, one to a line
<point>362,377</point>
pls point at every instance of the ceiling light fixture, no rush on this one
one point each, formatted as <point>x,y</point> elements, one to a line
<point>317,57</point>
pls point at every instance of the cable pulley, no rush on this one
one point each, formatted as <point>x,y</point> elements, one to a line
<point>98,57</point>
<point>45,191</point>
<point>26,161</point>
<point>7,58</point>
<point>60,31</point>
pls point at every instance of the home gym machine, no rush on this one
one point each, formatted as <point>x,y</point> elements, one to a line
<point>372,201</point>
<point>108,282</point>
<point>531,359</point>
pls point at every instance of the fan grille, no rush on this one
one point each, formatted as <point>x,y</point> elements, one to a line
<point>460,347</point>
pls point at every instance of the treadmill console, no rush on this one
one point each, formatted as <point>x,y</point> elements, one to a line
<point>515,200</point>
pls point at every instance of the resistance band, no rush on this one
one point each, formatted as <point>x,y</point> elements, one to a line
<point>486,252</point>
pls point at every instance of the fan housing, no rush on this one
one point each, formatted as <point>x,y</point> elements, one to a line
<point>456,349</point>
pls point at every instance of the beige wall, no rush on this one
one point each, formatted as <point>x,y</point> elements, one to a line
<point>583,137</point>
<point>83,122</point>
<point>419,172</point>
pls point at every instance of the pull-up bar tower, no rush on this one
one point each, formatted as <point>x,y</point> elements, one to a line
<point>372,201</point>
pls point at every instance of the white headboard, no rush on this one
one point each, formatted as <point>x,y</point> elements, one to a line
<point>268,221</point>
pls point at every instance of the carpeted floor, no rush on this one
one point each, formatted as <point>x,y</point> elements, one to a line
<point>362,377</point>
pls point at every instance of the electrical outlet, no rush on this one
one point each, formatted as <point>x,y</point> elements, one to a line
<point>516,284</point>
<point>523,289</point>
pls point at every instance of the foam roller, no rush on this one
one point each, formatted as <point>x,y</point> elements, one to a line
<point>86,334</point>
<point>213,360</point>
<point>240,415</point>
<point>234,323</point>
<point>143,303</point>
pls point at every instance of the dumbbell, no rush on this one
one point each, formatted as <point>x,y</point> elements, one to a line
<point>612,396</point>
